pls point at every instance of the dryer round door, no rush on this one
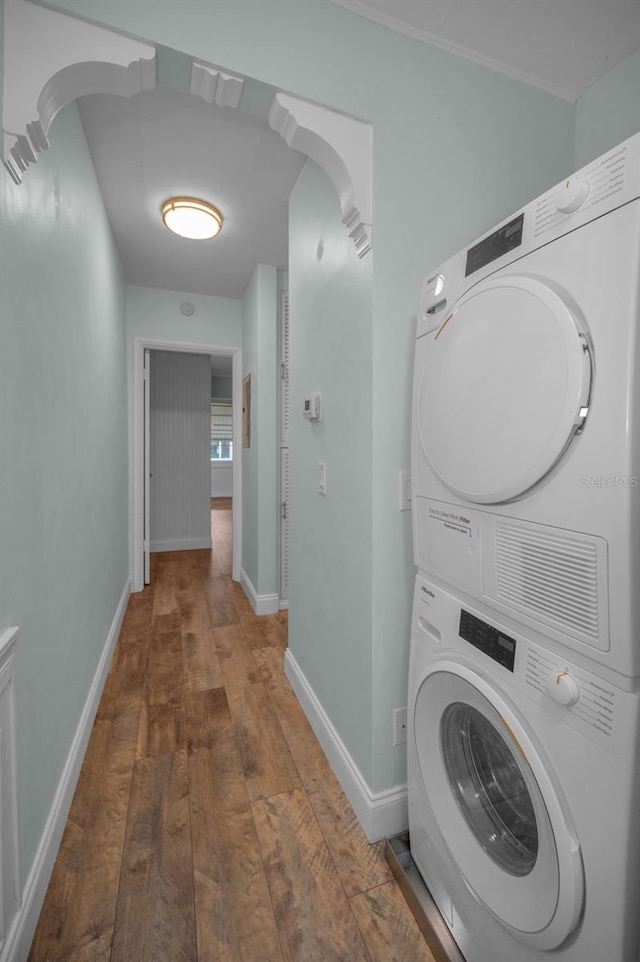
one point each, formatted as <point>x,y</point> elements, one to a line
<point>495,805</point>
<point>504,385</point>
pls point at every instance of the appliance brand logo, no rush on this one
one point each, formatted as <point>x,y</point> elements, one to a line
<point>427,591</point>
<point>617,481</point>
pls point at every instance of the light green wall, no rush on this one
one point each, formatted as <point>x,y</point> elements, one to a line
<point>63,476</point>
<point>330,307</point>
<point>153,314</point>
<point>456,147</point>
<point>259,473</point>
<point>221,387</point>
<point>609,112</point>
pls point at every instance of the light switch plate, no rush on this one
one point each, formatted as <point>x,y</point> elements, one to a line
<point>404,482</point>
<point>322,477</point>
<point>399,726</point>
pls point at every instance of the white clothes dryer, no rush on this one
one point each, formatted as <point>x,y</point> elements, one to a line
<point>526,416</point>
<point>524,800</point>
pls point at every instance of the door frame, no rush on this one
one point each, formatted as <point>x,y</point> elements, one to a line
<point>137,493</point>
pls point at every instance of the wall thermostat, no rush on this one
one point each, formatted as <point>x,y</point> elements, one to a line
<point>311,409</point>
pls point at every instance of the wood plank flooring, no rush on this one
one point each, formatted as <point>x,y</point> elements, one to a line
<point>207,825</point>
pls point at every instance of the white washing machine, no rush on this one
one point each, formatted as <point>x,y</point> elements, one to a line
<point>524,790</point>
<point>526,426</point>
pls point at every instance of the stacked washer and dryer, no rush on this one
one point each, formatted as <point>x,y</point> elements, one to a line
<point>524,679</point>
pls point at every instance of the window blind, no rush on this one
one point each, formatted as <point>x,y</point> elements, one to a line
<point>221,421</point>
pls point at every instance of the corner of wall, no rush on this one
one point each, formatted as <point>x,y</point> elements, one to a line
<point>608,112</point>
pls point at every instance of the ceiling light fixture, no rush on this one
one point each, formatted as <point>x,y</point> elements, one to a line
<point>192,218</point>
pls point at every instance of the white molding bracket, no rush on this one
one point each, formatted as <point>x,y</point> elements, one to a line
<point>215,86</point>
<point>43,73</point>
<point>342,146</point>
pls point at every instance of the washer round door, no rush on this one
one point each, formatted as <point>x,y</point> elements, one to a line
<point>504,386</point>
<point>495,805</point>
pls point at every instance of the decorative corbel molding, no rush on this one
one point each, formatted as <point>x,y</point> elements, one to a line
<point>43,73</point>
<point>215,86</point>
<point>342,147</point>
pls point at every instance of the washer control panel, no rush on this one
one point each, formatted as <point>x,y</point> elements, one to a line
<point>591,699</point>
<point>488,639</point>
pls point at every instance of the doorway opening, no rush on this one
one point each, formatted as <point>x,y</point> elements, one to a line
<point>141,508</point>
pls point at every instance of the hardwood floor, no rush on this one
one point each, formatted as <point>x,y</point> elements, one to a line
<point>207,825</point>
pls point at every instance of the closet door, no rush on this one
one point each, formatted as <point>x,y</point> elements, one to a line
<point>285,405</point>
<point>284,525</point>
<point>285,408</point>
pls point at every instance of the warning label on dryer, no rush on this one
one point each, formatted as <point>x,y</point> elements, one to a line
<point>447,542</point>
<point>451,520</point>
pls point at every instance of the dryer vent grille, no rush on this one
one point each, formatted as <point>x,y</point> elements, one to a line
<point>556,578</point>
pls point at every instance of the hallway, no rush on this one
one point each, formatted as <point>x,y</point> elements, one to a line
<point>207,825</point>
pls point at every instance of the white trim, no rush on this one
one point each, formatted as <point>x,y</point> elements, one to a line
<point>8,644</point>
<point>40,78</point>
<point>363,9</point>
<point>139,346</point>
<point>10,868</point>
<point>284,604</point>
<point>381,814</point>
<point>261,604</point>
<point>343,147</point>
<point>180,544</point>
<point>236,480</point>
<point>18,942</point>
<point>214,86</point>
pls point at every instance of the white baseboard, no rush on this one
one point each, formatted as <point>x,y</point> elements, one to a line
<point>261,604</point>
<point>381,814</point>
<point>283,603</point>
<point>180,544</point>
<point>222,494</point>
<point>18,941</point>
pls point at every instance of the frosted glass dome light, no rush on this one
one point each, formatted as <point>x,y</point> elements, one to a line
<point>192,218</point>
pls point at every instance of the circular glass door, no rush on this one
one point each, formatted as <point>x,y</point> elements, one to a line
<point>490,789</point>
<point>496,807</point>
<point>504,385</point>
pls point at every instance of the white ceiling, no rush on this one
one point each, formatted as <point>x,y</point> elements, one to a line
<point>562,46</point>
<point>165,142</point>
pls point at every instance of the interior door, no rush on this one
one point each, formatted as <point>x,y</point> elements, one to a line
<point>284,525</point>
<point>146,466</point>
<point>285,407</point>
<point>285,411</point>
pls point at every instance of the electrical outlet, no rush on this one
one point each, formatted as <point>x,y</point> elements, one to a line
<point>399,726</point>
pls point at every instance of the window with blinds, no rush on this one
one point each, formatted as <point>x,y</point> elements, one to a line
<point>221,430</point>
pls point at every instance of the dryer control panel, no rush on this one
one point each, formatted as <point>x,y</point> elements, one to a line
<point>602,185</point>
<point>504,239</point>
